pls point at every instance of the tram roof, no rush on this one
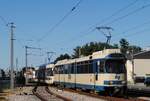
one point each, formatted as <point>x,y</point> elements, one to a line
<point>95,55</point>
<point>50,65</point>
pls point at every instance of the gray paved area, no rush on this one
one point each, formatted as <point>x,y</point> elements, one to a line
<point>23,94</point>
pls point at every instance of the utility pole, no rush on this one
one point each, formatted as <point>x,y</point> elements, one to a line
<point>11,55</point>
<point>17,64</point>
<point>26,60</point>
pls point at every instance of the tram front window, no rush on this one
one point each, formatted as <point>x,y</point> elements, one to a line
<point>49,72</point>
<point>115,66</point>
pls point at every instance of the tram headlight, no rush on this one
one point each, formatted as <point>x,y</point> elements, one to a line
<point>123,82</point>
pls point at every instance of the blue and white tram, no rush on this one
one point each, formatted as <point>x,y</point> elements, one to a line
<point>49,76</point>
<point>45,73</point>
<point>102,71</point>
<point>41,74</point>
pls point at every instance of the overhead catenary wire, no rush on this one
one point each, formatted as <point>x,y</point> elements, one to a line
<point>128,14</point>
<point>59,22</point>
<point>116,13</point>
<point>92,27</point>
<point>124,16</point>
<point>3,20</point>
<point>138,32</point>
<point>132,28</point>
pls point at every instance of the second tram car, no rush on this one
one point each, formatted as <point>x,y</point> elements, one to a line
<point>49,76</point>
<point>45,73</point>
<point>102,71</point>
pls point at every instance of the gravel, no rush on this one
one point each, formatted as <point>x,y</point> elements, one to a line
<point>23,98</point>
<point>74,96</point>
<point>46,95</point>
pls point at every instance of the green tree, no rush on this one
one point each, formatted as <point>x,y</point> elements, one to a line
<point>91,47</point>
<point>116,46</point>
<point>62,57</point>
<point>124,45</point>
<point>134,49</point>
<point>76,52</point>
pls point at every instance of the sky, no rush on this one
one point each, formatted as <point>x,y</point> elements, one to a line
<point>36,18</point>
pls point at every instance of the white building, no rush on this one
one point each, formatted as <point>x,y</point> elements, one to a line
<point>140,66</point>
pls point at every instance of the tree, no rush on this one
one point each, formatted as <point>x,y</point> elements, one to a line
<point>116,46</point>
<point>62,57</point>
<point>77,52</point>
<point>134,49</point>
<point>124,45</point>
<point>91,47</point>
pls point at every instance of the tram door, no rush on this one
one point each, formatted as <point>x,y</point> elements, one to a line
<point>95,65</point>
<point>99,72</point>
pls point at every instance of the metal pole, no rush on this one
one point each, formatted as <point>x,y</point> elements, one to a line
<point>17,64</point>
<point>12,56</point>
<point>26,64</point>
<point>26,60</point>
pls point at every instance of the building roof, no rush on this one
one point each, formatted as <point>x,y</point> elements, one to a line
<point>142,55</point>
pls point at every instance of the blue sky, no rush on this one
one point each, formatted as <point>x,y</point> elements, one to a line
<point>35,18</point>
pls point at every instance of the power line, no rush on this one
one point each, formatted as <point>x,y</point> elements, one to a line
<point>4,21</point>
<point>128,14</point>
<point>92,27</point>
<point>131,29</point>
<point>117,12</point>
<point>138,32</point>
<point>59,22</point>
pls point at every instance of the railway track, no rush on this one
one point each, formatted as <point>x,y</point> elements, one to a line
<point>44,94</point>
<point>102,97</point>
<point>108,98</point>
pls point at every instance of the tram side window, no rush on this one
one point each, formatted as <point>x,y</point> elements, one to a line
<point>85,67</point>
<point>69,69</point>
<point>66,69</point>
<point>55,70</point>
<point>72,68</point>
<point>78,68</point>
<point>101,67</point>
<point>60,70</point>
<point>90,67</point>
